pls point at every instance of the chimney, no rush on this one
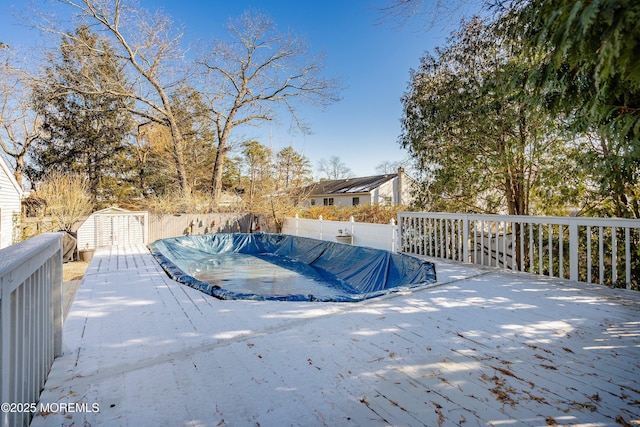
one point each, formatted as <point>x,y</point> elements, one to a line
<point>400,185</point>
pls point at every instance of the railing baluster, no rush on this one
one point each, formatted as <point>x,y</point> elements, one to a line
<point>530,244</point>
<point>614,257</point>
<point>475,240</point>
<point>627,256</point>
<point>531,266</point>
<point>601,255</point>
<point>483,243</point>
<point>540,246</point>
<point>560,252</point>
<point>550,232</point>
<point>446,238</point>
<point>589,260</point>
<point>504,246</point>
<point>440,238</point>
<point>425,236</point>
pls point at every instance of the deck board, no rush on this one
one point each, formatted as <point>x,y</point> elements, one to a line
<point>481,347</point>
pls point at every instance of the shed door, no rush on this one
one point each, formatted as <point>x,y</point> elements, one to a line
<point>120,229</point>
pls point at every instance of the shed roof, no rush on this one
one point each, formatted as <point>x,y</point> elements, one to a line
<point>112,210</point>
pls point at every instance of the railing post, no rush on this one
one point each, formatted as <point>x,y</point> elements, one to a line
<point>399,242</point>
<point>5,344</point>
<point>320,219</point>
<point>58,303</point>
<point>573,251</point>
<point>297,222</point>
<point>394,229</point>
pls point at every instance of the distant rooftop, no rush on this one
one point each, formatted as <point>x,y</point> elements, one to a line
<point>350,185</point>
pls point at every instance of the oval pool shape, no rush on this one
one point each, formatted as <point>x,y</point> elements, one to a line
<point>280,267</point>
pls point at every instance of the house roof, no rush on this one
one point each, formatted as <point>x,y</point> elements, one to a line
<point>349,185</point>
<point>7,170</point>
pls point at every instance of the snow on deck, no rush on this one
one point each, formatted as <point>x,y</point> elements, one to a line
<point>483,347</point>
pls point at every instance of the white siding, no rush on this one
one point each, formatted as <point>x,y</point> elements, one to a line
<point>10,196</point>
<point>86,234</point>
<point>408,185</point>
<point>384,191</point>
<point>112,226</point>
<point>341,199</point>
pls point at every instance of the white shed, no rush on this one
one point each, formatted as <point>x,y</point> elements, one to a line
<point>10,198</point>
<point>113,226</point>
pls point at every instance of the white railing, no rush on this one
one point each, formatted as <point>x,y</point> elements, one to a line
<point>378,236</point>
<point>591,250</point>
<point>30,322</point>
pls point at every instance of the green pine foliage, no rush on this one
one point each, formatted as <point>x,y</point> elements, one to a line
<point>589,74</point>
<point>85,128</point>
<point>480,140</point>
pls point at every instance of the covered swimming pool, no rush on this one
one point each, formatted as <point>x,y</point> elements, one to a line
<point>287,268</point>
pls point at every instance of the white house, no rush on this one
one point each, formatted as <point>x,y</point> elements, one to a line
<point>387,189</point>
<point>10,198</point>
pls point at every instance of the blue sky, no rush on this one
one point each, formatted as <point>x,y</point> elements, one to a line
<point>372,60</point>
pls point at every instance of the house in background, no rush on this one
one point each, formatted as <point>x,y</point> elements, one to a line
<point>10,203</point>
<point>389,189</point>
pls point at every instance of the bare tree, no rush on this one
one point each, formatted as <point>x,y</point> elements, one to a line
<point>429,13</point>
<point>334,168</point>
<point>388,166</point>
<point>254,75</point>
<point>148,48</point>
<point>19,124</point>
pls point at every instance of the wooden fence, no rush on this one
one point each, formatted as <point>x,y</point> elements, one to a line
<point>167,225</point>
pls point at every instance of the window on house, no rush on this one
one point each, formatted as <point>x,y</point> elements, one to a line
<point>355,201</point>
<point>387,200</point>
<point>328,201</point>
<point>313,202</point>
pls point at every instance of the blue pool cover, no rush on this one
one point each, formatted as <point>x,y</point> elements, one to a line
<point>287,268</point>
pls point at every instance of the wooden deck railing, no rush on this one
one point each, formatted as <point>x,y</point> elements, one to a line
<point>584,249</point>
<point>30,323</point>
<point>591,250</point>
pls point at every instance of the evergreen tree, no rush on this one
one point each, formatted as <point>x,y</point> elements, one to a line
<point>259,169</point>
<point>480,141</point>
<point>588,72</point>
<point>293,169</point>
<point>84,127</point>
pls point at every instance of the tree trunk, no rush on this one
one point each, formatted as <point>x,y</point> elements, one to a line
<point>216,179</point>
<point>178,156</point>
<point>19,172</point>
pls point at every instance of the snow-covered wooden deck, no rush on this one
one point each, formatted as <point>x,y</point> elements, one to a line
<point>481,348</point>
